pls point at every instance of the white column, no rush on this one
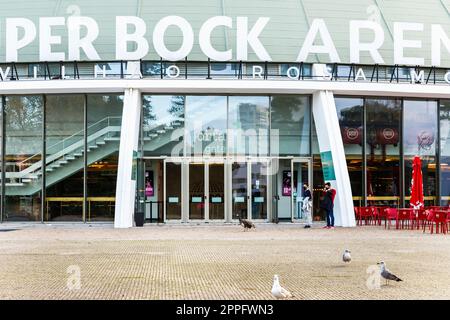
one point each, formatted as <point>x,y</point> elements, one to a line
<point>126,180</point>
<point>330,144</point>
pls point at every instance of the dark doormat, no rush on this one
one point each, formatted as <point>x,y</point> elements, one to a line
<point>7,230</point>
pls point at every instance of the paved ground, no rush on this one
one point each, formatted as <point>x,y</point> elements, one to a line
<point>217,262</point>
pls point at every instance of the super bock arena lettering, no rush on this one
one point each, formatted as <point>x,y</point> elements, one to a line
<point>82,31</point>
<point>132,43</point>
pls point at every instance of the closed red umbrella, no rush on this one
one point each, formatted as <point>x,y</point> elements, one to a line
<point>416,200</point>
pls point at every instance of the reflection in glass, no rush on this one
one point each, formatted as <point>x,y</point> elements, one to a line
<point>383,151</point>
<point>216,191</point>
<point>290,118</point>
<point>23,154</point>
<point>64,128</point>
<point>173,190</point>
<point>239,190</point>
<point>419,138</point>
<point>104,118</point>
<point>196,191</point>
<point>249,125</point>
<point>350,115</point>
<point>206,125</point>
<point>444,116</point>
<point>259,190</point>
<point>163,125</point>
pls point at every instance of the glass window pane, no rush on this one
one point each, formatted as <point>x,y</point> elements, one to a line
<point>350,115</point>
<point>23,154</point>
<point>104,118</point>
<point>259,190</point>
<point>163,125</point>
<point>383,151</point>
<point>419,138</point>
<point>248,125</point>
<point>64,127</point>
<point>290,119</point>
<point>206,125</point>
<point>444,116</point>
<point>173,190</point>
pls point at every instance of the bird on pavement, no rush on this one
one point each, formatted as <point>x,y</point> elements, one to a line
<point>386,274</point>
<point>278,291</point>
<point>247,224</point>
<point>346,257</point>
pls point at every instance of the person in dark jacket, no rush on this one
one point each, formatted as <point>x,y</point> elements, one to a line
<point>307,205</point>
<point>328,204</point>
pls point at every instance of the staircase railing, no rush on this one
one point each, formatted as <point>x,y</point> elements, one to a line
<point>71,140</point>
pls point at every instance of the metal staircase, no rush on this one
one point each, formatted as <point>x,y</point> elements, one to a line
<point>66,157</point>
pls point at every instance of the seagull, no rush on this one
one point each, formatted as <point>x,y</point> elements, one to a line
<point>346,257</point>
<point>247,224</point>
<point>278,291</point>
<point>386,274</point>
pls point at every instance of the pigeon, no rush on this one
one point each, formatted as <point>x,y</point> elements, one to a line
<point>346,257</point>
<point>386,274</point>
<point>278,291</point>
<point>247,224</point>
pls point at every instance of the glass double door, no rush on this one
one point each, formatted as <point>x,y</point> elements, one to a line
<point>249,189</point>
<point>287,188</point>
<point>195,190</point>
<point>224,190</point>
<point>206,190</point>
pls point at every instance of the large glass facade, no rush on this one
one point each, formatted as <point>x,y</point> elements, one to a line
<point>196,125</point>
<point>104,119</point>
<point>393,131</point>
<point>163,125</point>
<point>290,118</point>
<point>444,128</point>
<point>248,125</point>
<point>383,125</point>
<point>64,144</point>
<point>206,125</point>
<point>420,123</point>
<point>350,113</point>
<point>46,142</point>
<point>23,157</point>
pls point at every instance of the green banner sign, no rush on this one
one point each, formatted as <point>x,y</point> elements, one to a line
<point>327,166</point>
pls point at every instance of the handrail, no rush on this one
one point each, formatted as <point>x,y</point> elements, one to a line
<point>81,132</point>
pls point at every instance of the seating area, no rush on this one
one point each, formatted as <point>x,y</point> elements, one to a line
<point>433,219</point>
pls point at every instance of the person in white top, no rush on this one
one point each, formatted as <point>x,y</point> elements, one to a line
<point>307,205</point>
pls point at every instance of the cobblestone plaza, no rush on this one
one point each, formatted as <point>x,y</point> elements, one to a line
<point>217,262</point>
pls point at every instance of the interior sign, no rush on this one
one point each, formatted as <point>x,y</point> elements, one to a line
<point>132,39</point>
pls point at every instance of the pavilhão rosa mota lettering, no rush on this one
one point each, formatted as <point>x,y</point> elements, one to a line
<point>82,31</point>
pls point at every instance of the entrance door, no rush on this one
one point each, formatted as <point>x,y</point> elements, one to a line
<point>287,188</point>
<point>173,190</point>
<point>151,190</point>
<point>197,194</point>
<point>206,189</point>
<point>301,173</point>
<point>215,187</point>
<point>282,189</point>
<point>249,189</point>
<point>259,183</point>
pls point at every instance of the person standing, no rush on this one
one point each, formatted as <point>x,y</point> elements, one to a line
<point>307,205</point>
<point>328,204</point>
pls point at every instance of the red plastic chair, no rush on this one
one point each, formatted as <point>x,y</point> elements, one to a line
<point>376,215</point>
<point>404,218</point>
<point>437,218</point>
<point>366,213</point>
<point>356,214</point>
<point>421,218</point>
<point>391,214</point>
<point>382,215</point>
